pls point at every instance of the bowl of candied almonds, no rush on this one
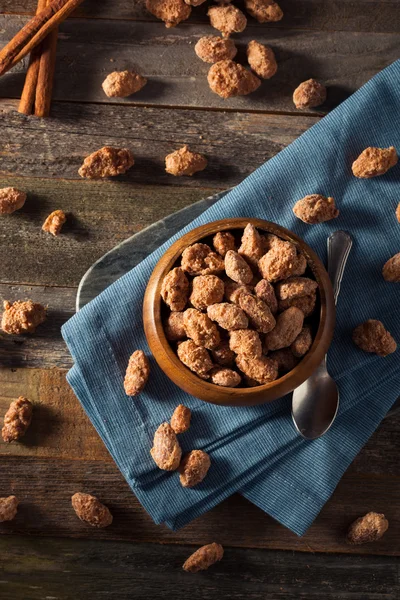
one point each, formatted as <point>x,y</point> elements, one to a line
<point>239,312</point>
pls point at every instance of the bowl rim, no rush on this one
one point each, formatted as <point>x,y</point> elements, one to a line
<point>189,381</point>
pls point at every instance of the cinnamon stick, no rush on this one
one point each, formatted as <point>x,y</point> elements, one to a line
<point>45,79</point>
<point>35,31</point>
<point>28,94</point>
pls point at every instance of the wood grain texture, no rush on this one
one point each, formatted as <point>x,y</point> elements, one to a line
<point>343,61</point>
<point>55,148</point>
<point>44,475</point>
<point>120,571</point>
<point>361,15</point>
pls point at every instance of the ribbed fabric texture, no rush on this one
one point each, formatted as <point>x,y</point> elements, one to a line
<point>256,450</point>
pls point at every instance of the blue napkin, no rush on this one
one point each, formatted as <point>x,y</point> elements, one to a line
<point>256,450</point>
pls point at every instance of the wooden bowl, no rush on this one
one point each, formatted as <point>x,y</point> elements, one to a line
<point>166,357</point>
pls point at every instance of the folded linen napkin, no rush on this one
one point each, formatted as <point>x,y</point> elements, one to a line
<point>255,450</point>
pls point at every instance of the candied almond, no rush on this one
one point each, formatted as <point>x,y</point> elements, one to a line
<point>107,162</point>
<point>369,528</point>
<point>251,247</point>
<point>265,291</point>
<point>171,12</point>
<point>229,79</point>
<point>175,289</point>
<point>22,316</point>
<point>309,94</point>
<point>225,377</point>
<point>223,241</point>
<point>184,162</point>
<point>299,266</point>
<point>201,329</point>
<point>212,48</point>
<point>199,259</point>
<point>265,11</point>
<point>289,323</point>
<point>174,327</point>
<point>195,357</point>
<point>206,290</point>
<point>121,84</point>
<point>278,262</point>
<point>295,287</point>
<point>237,268</point>
<point>223,355</point>
<point>203,558</point>
<point>193,468</point>
<point>391,269</point>
<point>259,313</point>
<point>228,316</point>
<point>246,342</point>
<point>234,289</point>
<point>227,19</point>
<point>137,373</point>
<point>166,451</point>
<point>11,199</point>
<point>315,208</point>
<point>261,59</point>
<point>261,369</point>
<point>180,420</point>
<point>54,222</point>
<point>90,510</point>
<point>302,343</point>
<point>8,508</point>
<point>374,161</point>
<point>17,420</point>
<point>372,336</point>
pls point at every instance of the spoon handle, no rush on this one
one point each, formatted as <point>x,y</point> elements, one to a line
<point>339,246</point>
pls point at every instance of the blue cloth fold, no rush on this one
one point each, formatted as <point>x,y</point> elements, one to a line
<point>256,450</point>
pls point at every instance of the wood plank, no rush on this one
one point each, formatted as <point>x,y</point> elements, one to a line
<point>65,455</point>
<point>342,60</point>
<point>99,217</point>
<point>56,570</point>
<point>361,15</point>
<point>55,148</point>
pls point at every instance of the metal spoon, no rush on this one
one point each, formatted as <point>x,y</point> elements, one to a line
<point>316,401</point>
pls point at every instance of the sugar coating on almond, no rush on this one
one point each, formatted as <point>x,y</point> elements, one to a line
<point>175,289</point>
<point>295,287</point>
<point>224,241</point>
<point>289,323</point>
<point>89,509</point>
<point>54,222</point>
<point>166,451</point>
<point>265,11</point>
<point>391,269</point>
<point>223,355</point>
<point>195,357</point>
<point>251,247</point>
<point>237,268</point>
<point>285,359</point>
<point>180,420</point>
<point>22,316</point>
<point>17,420</point>
<point>107,162</point>
<point>261,59</point>
<point>225,377</point>
<point>309,94</point>
<point>259,313</point>
<point>302,343</point>
<point>121,84</point>
<point>315,208</point>
<point>212,48</point>
<point>227,19</point>
<point>193,468</point>
<point>246,342</point>
<point>203,558</point>
<point>11,199</point>
<point>174,327</point>
<point>201,329</point>
<point>266,292</point>
<point>8,508</point>
<point>199,259</point>
<point>369,528</point>
<point>372,336</point>
<point>184,162</point>
<point>305,303</point>
<point>137,373</point>
<point>229,79</point>
<point>373,162</point>
<point>171,12</point>
<point>206,290</point>
<point>228,316</point>
<point>279,262</point>
<point>261,369</point>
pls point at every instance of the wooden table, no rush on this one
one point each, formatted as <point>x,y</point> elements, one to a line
<point>47,552</point>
